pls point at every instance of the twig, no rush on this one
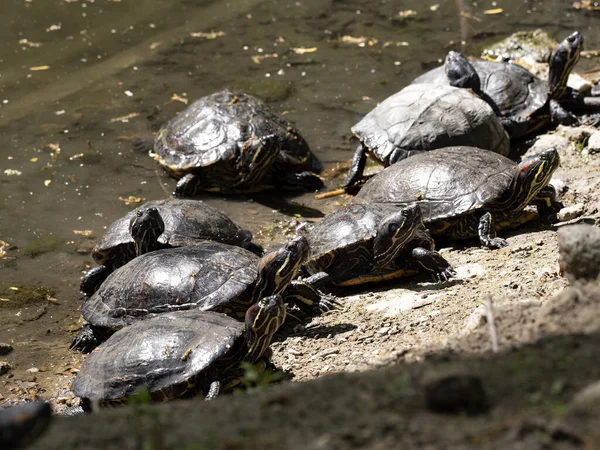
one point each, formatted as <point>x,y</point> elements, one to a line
<point>489,310</point>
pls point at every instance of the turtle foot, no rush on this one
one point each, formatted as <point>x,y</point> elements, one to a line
<point>443,275</point>
<point>85,341</point>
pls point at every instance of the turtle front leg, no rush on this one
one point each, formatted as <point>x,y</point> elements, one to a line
<point>303,181</point>
<point>357,166</point>
<point>433,264</point>
<point>88,338</point>
<point>188,186</point>
<point>487,232</point>
<point>306,296</point>
<point>547,204</point>
<point>560,116</point>
<point>92,279</point>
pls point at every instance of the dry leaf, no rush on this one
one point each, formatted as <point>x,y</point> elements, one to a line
<point>407,13</point>
<point>78,155</point>
<point>3,247</point>
<point>131,200</point>
<point>55,151</point>
<point>11,172</point>
<point>303,50</point>
<point>33,160</point>
<point>83,232</point>
<point>434,7</point>
<point>56,27</point>
<point>360,41</point>
<point>124,118</point>
<point>47,182</point>
<point>177,98</point>
<point>36,68</point>
<point>493,11</point>
<point>29,43</point>
<point>258,58</point>
<point>468,15</point>
<point>209,35</point>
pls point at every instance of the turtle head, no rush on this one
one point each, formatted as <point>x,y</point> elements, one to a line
<point>394,232</point>
<point>145,227</point>
<point>263,319</point>
<point>562,60</point>
<point>531,175</point>
<point>461,73</point>
<point>277,268</point>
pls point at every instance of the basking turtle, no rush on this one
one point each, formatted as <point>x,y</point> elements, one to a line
<point>524,102</point>
<point>370,243</point>
<point>423,117</point>
<point>463,192</point>
<point>209,276</point>
<point>234,143</point>
<point>161,224</point>
<point>22,424</point>
<point>178,354</point>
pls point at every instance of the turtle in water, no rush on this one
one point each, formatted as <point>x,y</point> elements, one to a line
<point>210,276</point>
<point>423,117</point>
<point>22,424</point>
<point>466,192</point>
<point>234,143</point>
<point>178,354</point>
<point>161,224</point>
<point>523,102</point>
<point>363,243</point>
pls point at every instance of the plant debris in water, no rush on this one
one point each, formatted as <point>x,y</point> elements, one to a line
<point>19,296</point>
<point>43,245</point>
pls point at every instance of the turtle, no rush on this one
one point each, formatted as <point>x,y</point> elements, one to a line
<point>178,354</point>
<point>22,424</point>
<point>466,192</point>
<point>234,143</point>
<point>523,102</point>
<point>209,276</point>
<point>173,223</point>
<point>423,117</point>
<point>364,243</point>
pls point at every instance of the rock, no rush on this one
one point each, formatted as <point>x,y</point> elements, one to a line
<point>4,367</point>
<point>586,402</point>
<point>575,134</point>
<point>456,393</point>
<point>579,83</point>
<point>5,349</point>
<point>579,251</point>
<point>546,141</point>
<point>593,145</point>
<point>570,212</point>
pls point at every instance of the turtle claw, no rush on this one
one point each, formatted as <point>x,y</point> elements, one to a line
<point>86,340</point>
<point>328,303</point>
<point>444,275</point>
<point>496,243</point>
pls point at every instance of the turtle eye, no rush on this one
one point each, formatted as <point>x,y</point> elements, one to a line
<point>393,227</point>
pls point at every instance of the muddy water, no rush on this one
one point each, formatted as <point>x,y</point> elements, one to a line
<point>79,81</point>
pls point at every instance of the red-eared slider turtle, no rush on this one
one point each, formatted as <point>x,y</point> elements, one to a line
<point>463,192</point>
<point>525,103</point>
<point>178,354</point>
<point>161,224</point>
<point>370,243</point>
<point>234,143</point>
<point>423,117</point>
<point>22,424</point>
<point>210,276</point>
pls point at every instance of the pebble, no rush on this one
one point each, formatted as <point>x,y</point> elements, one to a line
<point>579,251</point>
<point>4,367</point>
<point>593,145</point>
<point>586,402</point>
<point>33,370</point>
<point>329,352</point>
<point>5,349</point>
<point>546,141</point>
<point>571,212</point>
<point>291,351</point>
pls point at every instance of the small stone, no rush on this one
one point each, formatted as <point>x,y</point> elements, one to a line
<point>294,352</point>
<point>329,352</point>
<point>579,83</point>
<point>33,370</point>
<point>570,212</point>
<point>586,402</point>
<point>4,367</point>
<point>546,141</point>
<point>5,349</point>
<point>593,144</point>
<point>383,330</point>
<point>456,393</point>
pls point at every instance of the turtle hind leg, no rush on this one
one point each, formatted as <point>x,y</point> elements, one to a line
<point>301,181</point>
<point>306,296</point>
<point>357,166</point>
<point>560,116</point>
<point>434,264</point>
<point>487,232</point>
<point>89,337</point>
<point>188,186</point>
<point>143,145</point>
<point>92,279</point>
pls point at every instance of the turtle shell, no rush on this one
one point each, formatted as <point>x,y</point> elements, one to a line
<point>447,182</point>
<point>167,354</point>
<point>187,222</point>
<point>346,234</point>
<point>516,92</point>
<point>207,276</point>
<point>430,116</point>
<point>214,129</point>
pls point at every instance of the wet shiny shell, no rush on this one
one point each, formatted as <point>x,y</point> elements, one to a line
<point>214,128</point>
<point>207,276</point>
<point>428,116</point>
<point>516,92</point>
<point>447,182</point>
<point>186,223</point>
<point>164,354</point>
